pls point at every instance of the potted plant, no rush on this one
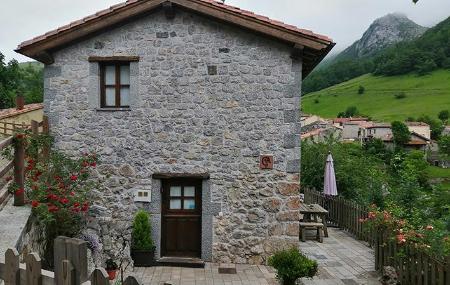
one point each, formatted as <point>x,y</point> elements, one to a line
<point>292,265</point>
<point>142,247</point>
<point>111,269</point>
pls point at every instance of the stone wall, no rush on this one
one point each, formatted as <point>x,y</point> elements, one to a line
<point>206,98</point>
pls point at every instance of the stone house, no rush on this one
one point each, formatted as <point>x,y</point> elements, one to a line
<point>194,108</point>
<point>420,128</point>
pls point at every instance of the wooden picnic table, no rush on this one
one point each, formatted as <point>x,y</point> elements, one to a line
<point>314,212</point>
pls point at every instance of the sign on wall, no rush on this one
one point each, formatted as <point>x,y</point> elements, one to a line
<point>266,161</point>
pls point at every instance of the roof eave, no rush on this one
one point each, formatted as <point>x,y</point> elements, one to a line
<point>40,49</point>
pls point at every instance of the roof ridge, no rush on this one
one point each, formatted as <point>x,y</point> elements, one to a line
<point>211,2</point>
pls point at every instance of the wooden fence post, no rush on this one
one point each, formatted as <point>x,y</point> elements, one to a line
<point>19,172</point>
<point>35,127</point>
<point>75,251</point>
<point>130,281</point>
<point>11,272</point>
<point>33,271</point>
<point>68,273</point>
<point>45,131</point>
<point>99,277</point>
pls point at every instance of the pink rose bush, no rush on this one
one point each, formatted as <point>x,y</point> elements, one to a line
<point>426,237</point>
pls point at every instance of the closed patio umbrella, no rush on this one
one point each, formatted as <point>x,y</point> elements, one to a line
<point>329,183</point>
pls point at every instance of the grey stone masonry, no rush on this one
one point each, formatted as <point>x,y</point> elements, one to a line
<point>206,97</point>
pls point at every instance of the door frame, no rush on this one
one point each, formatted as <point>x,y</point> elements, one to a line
<point>165,199</point>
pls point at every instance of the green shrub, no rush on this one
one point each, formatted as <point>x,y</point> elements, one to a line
<point>361,90</point>
<point>292,265</point>
<point>400,95</point>
<point>142,231</point>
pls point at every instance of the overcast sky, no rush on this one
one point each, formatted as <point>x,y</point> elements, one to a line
<point>343,20</point>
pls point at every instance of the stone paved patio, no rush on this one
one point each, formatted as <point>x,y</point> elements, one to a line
<point>342,260</point>
<point>246,275</point>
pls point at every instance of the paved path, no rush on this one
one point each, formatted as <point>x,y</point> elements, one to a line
<point>246,275</point>
<point>12,223</point>
<point>342,260</point>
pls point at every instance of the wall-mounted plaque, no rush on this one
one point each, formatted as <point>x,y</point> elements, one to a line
<point>266,162</point>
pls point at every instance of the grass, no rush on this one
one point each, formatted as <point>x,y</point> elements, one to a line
<point>437,172</point>
<point>426,95</point>
<point>440,176</point>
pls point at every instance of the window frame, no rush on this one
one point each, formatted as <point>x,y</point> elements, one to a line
<point>117,85</point>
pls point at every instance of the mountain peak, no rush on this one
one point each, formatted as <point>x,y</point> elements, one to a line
<point>387,30</point>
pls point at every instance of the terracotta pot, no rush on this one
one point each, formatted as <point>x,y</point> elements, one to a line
<point>111,274</point>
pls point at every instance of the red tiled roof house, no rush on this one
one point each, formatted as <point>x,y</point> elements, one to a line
<point>182,99</point>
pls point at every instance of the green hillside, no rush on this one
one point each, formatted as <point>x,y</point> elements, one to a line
<point>33,64</point>
<point>425,95</point>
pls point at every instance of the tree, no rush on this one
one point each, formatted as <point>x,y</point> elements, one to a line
<point>444,146</point>
<point>15,79</point>
<point>361,90</point>
<point>425,67</point>
<point>351,111</point>
<point>436,126</point>
<point>443,115</point>
<point>401,133</point>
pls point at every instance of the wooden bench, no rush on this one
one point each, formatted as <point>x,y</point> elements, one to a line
<point>311,226</point>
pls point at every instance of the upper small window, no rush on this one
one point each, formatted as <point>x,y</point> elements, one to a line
<point>115,85</point>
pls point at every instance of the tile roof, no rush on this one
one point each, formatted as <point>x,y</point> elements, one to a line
<point>417,124</point>
<point>209,2</point>
<point>346,120</point>
<point>6,113</point>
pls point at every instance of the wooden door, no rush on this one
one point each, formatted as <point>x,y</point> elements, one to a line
<point>181,218</point>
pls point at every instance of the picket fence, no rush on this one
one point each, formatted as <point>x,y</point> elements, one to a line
<point>71,267</point>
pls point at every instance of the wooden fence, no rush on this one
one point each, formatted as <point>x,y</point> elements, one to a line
<point>18,163</point>
<point>414,266</point>
<point>9,128</point>
<point>71,267</point>
<point>342,213</point>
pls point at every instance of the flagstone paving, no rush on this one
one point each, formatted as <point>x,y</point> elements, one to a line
<point>342,261</point>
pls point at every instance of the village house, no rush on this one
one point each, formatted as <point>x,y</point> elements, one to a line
<point>420,128</point>
<point>19,117</point>
<point>383,131</point>
<point>193,107</point>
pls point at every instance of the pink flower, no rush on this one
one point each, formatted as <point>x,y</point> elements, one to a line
<point>429,228</point>
<point>73,177</point>
<point>401,239</point>
<point>372,215</point>
<point>34,204</point>
<point>64,201</point>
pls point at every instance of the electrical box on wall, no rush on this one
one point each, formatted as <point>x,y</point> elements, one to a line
<point>143,196</point>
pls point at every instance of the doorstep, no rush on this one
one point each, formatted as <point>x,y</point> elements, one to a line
<point>181,262</point>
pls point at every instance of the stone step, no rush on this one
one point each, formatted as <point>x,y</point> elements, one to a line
<point>225,268</point>
<point>4,196</point>
<point>181,262</point>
